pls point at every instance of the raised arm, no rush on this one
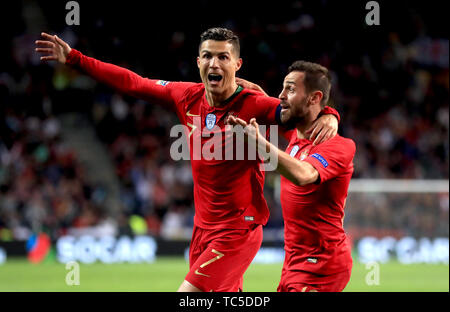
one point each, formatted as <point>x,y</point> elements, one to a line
<point>123,80</point>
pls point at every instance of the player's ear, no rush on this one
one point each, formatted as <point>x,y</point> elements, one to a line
<point>317,97</point>
<point>198,61</point>
<point>238,64</point>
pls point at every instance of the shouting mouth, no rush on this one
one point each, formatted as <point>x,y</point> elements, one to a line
<point>214,79</point>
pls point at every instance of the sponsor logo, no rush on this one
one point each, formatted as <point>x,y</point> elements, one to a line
<point>106,249</point>
<point>249,218</point>
<point>312,260</point>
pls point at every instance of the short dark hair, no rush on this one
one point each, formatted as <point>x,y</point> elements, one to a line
<point>317,78</point>
<point>221,34</point>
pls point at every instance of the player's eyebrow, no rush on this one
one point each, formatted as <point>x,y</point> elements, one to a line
<point>288,82</point>
<point>218,53</point>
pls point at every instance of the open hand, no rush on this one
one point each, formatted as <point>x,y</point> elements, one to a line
<point>53,48</point>
<point>251,129</point>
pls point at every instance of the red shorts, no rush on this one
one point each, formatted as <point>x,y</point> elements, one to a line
<point>218,259</point>
<point>302,281</point>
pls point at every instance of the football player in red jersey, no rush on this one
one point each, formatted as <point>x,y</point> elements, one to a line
<point>314,185</point>
<point>229,205</point>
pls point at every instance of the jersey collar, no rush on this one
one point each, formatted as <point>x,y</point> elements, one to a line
<point>296,140</point>
<point>226,102</point>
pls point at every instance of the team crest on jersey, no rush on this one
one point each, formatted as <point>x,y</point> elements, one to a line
<point>210,121</point>
<point>304,154</point>
<point>162,83</point>
<point>294,151</point>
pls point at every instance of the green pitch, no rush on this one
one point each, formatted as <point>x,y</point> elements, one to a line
<point>166,274</point>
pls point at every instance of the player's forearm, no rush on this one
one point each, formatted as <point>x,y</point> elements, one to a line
<point>327,110</point>
<point>119,78</point>
<point>296,171</point>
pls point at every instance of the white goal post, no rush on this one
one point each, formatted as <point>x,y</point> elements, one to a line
<point>398,186</point>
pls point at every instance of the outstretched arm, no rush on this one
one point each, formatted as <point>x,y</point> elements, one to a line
<point>323,129</point>
<point>125,81</point>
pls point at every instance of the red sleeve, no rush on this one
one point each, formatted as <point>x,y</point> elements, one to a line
<point>332,157</point>
<point>128,82</point>
<point>266,110</point>
<point>330,110</point>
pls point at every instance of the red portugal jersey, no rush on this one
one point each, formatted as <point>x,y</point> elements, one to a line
<point>314,236</point>
<point>227,193</point>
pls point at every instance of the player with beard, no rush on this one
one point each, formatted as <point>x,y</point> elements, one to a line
<point>314,185</point>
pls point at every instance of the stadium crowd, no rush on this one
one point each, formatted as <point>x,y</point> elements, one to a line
<point>43,186</point>
<point>390,87</point>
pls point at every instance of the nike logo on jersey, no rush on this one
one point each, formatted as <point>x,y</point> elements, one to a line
<point>193,128</point>
<point>191,115</point>
<point>198,273</point>
<point>188,113</point>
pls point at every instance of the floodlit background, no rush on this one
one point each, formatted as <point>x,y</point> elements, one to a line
<point>86,174</point>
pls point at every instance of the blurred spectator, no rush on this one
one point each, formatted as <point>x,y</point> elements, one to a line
<point>42,185</point>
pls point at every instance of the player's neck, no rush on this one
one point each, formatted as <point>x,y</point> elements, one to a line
<point>306,124</point>
<point>301,131</point>
<point>218,100</point>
